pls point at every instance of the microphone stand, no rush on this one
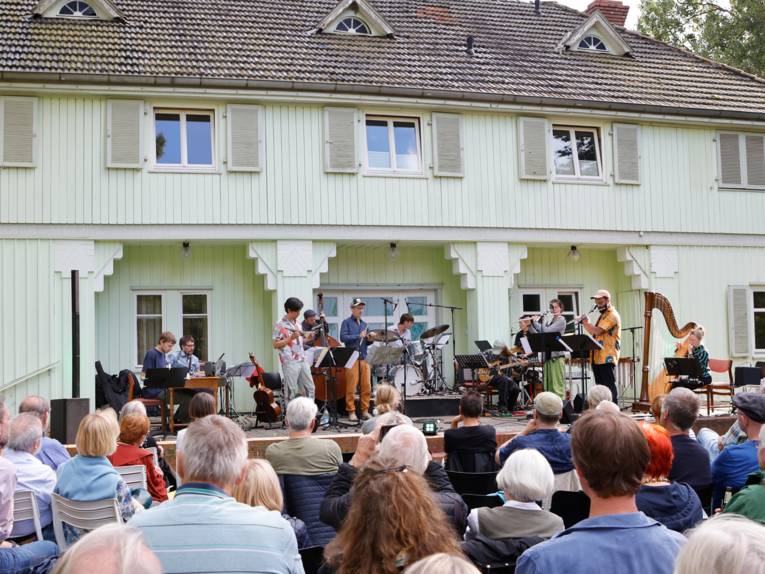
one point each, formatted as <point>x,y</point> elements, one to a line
<point>634,358</point>
<point>386,302</point>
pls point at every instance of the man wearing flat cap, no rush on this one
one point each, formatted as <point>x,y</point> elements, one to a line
<point>607,331</point>
<point>737,461</point>
<point>354,333</point>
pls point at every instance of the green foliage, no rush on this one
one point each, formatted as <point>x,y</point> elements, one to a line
<point>732,33</point>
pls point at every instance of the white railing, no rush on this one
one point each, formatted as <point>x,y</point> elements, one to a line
<point>28,376</point>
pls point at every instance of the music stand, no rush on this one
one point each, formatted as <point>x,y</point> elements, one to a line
<point>243,370</point>
<point>581,345</point>
<point>683,367</point>
<point>165,378</point>
<point>329,359</point>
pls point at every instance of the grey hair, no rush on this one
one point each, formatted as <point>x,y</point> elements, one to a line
<point>392,418</point>
<point>406,445</point>
<point>214,450</point>
<point>724,544</point>
<point>134,406</point>
<point>115,548</point>
<point>443,564</point>
<point>300,412</point>
<point>526,476</point>
<point>608,406</point>
<point>26,431</point>
<point>597,395</point>
<point>35,404</point>
<point>681,408</point>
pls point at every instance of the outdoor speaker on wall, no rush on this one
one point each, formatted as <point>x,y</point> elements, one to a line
<point>65,417</point>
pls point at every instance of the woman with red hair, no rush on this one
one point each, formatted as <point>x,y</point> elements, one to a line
<point>675,504</point>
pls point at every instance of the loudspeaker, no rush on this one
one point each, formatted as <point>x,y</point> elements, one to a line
<point>568,416</point>
<point>579,403</point>
<point>743,376</point>
<point>65,417</point>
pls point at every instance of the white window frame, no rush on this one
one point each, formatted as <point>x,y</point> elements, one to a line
<point>597,51</point>
<point>184,165</point>
<point>136,294</point>
<point>545,295</point>
<point>392,145</point>
<point>183,315</point>
<point>757,351</point>
<point>575,155</point>
<point>742,162</point>
<point>81,17</point>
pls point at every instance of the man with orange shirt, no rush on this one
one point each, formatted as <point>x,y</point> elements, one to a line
<point>607,331</point>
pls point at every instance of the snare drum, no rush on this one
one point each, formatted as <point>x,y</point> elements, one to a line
<point>416,350</point>
<point>413,377</point>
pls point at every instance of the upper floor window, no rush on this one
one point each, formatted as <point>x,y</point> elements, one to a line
<point>183,139</point>
<point>742,160</point>
<point>77,9</point>
<point>592,43</point>
<point>393,145</point>
<point>352,25</point>
<point>576,152</point>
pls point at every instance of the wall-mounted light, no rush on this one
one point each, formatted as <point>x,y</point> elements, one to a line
<point>186,249</point>
<point>393,250</point>
<point>573,254</point>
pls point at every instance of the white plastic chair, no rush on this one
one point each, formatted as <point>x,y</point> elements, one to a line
<point>25,508</point>
<point>85,515</point>
<point>153,451</point>
<point>134,476</point>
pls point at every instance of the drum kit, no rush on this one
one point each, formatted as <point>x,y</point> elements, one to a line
<point>420,370</point>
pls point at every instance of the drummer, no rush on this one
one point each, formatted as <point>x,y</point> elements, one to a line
<point>403,330</point>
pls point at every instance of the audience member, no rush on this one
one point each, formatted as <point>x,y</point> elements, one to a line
<point>471,447</point>
<point>36,556</point>
<point>715,444</point>
<point>726,544</point>
<point>542,434</point>
<point>150,442</point>
<point>387,399</point>
<point>301,453</point>
<point>525,478</point>
<point>656,406</point>
<point>443,564</point>
<point>260,487</point>
<point>203,523</point>
<point>89,475</point>
<point>610,455</point>
<point>133,430</point>
<point>51,451</point>
<point>406,446</point>
<point>598,394</point>
<point>675,504</point>
<point>750,500</point>
<point>201,405</point>
<point>31,474</point>
<point>392,522</point>
<point>691,462</point>
<point>609,407</point>
<point>110,549</point>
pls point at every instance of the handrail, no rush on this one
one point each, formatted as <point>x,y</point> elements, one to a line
<point>28,376</point>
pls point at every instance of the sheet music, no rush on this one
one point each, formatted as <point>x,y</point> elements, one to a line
<point>318,355</point>
<point>526,347</point>
<point>563,343</point>
<point>352,360</point>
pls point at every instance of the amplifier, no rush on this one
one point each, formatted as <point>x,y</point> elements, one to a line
<point>65,417</point>
<point>744,376</point>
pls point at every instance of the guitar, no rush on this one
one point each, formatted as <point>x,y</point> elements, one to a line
<point>495,368</point>
<point>267,409</point>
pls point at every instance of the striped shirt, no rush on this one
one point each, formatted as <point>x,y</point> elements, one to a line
<point>204,530</point>
<point>702,358</point>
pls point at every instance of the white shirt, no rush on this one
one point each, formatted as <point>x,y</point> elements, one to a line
<point>32,474</point>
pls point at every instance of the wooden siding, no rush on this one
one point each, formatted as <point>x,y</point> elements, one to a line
<point>72,185</point>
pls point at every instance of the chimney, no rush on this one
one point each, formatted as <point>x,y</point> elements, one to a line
<point>614,11</point>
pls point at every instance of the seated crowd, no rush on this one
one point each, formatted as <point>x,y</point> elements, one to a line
<point>660,498</point>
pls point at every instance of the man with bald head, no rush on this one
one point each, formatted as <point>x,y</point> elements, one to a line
<point>52,452</point>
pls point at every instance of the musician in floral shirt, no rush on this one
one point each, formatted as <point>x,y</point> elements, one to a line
<point>288,340</point>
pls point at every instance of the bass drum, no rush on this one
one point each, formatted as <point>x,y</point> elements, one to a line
<point>413,377</point>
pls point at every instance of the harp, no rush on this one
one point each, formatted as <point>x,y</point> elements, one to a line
<point>658,301</point>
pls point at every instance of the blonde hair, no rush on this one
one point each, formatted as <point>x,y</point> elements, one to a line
<point>387,398</point>
<point>97,434</point>
<point>443,564</point>
<point>699,332</point>
<point>260,486</point>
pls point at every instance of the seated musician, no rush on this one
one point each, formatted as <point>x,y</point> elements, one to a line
<point>310,322</point>
<point>507,387</point>
<point>696,351</point>
<point>403,329</point>
<point>156,358</point>
<point>185,359</point>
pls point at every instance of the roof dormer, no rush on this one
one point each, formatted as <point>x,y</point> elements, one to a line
<point>78,9</point>
<point>354,17</point>
<point>596,35</point>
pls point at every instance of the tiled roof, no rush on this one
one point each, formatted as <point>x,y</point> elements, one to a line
<point>271,41</point>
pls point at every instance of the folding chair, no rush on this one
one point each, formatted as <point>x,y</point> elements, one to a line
<point>25,508</point>
<point>133,475</point>
<point>473,482</point>
<point>80,514</point>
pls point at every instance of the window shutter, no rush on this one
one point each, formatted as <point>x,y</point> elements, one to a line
<point>755,161</point>
<point>626,153</point>
<point>533,148</point>
<point>447,145</point>
<point>245,137</point>
<point>340,140</point>
<point>740,320</point>
<point>124,121</point>
<point>730,159</point>
<point>18,131</point>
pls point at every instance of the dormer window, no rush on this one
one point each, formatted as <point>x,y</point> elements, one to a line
<point>352,25</point>
<point>77,9</point>
<point>592,43</point>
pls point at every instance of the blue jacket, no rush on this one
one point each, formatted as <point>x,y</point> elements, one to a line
<point>350,335</point>
<point>676,506</point>
<point>732,466</point>
<point>552,444</point>
<point>302,499</point>
<point>87,478</point>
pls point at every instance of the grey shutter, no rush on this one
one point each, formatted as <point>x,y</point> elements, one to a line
<point>124,121</point>
<point>245,137</point>
<point>18,127</point>
<point>626,153</point>
<point>740,320</point>
<point>340,140</point>
<point>447,145</point>
<point>755,161</point>
<point>730,159</point>
<point>533,148</point>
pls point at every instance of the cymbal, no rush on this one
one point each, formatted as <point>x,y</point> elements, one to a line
<point>434,331</point>
<point>383,336</point>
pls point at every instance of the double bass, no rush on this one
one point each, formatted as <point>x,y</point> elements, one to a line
<point>320,376</point>
<point>266,407</point>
